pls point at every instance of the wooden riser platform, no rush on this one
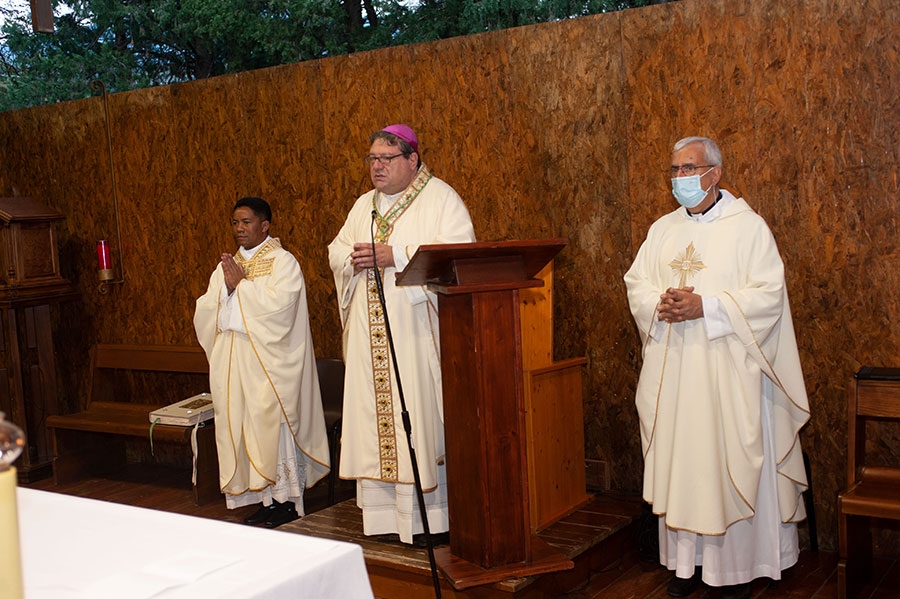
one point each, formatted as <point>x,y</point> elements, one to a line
<point>594,537</point>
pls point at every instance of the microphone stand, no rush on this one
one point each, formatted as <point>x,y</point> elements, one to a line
<point>407,424</point>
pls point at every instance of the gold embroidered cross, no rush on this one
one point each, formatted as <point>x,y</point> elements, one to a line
<point>687,263</point>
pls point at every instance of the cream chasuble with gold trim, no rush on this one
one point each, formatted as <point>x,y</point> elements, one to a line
<point>264,377</point>
<point>373,443</point>
<point>699,399</point>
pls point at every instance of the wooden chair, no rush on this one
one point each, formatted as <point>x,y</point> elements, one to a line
<point>872,491</point>
<point>331,384</point>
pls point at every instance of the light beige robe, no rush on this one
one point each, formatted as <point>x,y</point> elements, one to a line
<point>437,215</point>
<point>265,377</point>
<point>699,399</point>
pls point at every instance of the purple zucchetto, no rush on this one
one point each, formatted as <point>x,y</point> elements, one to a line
<point>404,133</point>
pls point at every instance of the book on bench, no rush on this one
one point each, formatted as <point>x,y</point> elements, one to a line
<point>186,412</point>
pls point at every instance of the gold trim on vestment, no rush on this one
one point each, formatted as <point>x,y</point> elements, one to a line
<point>247,490</point>
<point>260,264</point>
<point>774,378</point>
<point>218,305</point>
<point>428,310</point>
<point>271,481</point>
<point>378,341</point>
<point>654,318</point>
<point>267,248</point>
<point>706,534</point>
<point>794,513</point>
<point>662,373</point>
<point>228,410</point>
<point>752,506</point>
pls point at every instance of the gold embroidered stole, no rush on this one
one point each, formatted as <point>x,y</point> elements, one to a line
<point>258,265</point>
<point>261,263</point>
<point>378,342</point>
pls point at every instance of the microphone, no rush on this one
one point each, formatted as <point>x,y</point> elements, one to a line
<point>404,415</point>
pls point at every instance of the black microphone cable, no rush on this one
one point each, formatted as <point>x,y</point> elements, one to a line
<point>407,425</point>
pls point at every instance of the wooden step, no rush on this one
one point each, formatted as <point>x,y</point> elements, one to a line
<point>594,536</point>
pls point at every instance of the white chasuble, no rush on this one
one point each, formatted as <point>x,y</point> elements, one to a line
<point>263,374</point>
<point>698,398</point>
<point>373,443</point>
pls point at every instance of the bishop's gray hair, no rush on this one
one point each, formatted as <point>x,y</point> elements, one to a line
<point>713,154</point>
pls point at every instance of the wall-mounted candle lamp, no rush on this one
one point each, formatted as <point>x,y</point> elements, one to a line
<point>104,263</point>
<point>105,271</point>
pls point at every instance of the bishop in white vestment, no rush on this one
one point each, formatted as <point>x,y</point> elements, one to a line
<point>253,324</point>
<point>721,397</point>
<point>412,207</point>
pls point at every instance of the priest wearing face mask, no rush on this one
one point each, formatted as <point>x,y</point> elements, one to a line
<point>720,397</point>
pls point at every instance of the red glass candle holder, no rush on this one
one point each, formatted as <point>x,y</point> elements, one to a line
<point>104,262</point>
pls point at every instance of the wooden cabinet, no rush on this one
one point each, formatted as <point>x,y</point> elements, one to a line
<point>30,282</point>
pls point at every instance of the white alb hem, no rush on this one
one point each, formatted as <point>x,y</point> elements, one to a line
<point>762,546</point>
<point>289,483</point>
<point>392,508</point>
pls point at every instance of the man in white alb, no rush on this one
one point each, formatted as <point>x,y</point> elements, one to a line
<point>254,326</point>
<point>721,397</point>
<point>412,208</point>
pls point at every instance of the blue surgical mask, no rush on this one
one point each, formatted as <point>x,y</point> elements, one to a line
<point>687,190</point>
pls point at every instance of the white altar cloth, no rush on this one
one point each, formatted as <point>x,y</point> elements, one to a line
<point>74,548</point>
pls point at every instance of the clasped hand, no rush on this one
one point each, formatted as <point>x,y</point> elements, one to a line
<point>364,257</point>
<point>233,272</point>
<point>677,305</point>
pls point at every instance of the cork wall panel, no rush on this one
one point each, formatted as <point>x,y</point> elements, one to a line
<point>783,111</point>
<point>575,178</point>
<point>688,71</point>
<point>833,186</point>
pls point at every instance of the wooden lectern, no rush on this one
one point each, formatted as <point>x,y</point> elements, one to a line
<point>492,528</point>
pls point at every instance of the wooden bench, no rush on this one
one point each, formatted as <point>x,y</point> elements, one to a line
<point>93,442</point>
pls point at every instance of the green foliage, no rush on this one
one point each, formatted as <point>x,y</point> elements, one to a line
<point>439,19</point>
<point>129,44</point>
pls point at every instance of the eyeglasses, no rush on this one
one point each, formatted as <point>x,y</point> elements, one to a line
<point>383,160</point>
<point>687,169</point>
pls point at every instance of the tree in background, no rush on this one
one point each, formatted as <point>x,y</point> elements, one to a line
<point>129,44</point>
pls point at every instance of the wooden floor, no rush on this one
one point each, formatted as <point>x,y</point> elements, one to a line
<point>813,577</point>
<point>168,489</point>
<point>625,577</point>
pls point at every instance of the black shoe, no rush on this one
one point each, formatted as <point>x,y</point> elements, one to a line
<point>682,587</point>
<point>284,513</point>
<point>437,538</point>
<point>261,515</point>
<point>737,591</point>
<point>386,538</point>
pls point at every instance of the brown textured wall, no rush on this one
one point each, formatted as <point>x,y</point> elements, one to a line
<point>561,129</point>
